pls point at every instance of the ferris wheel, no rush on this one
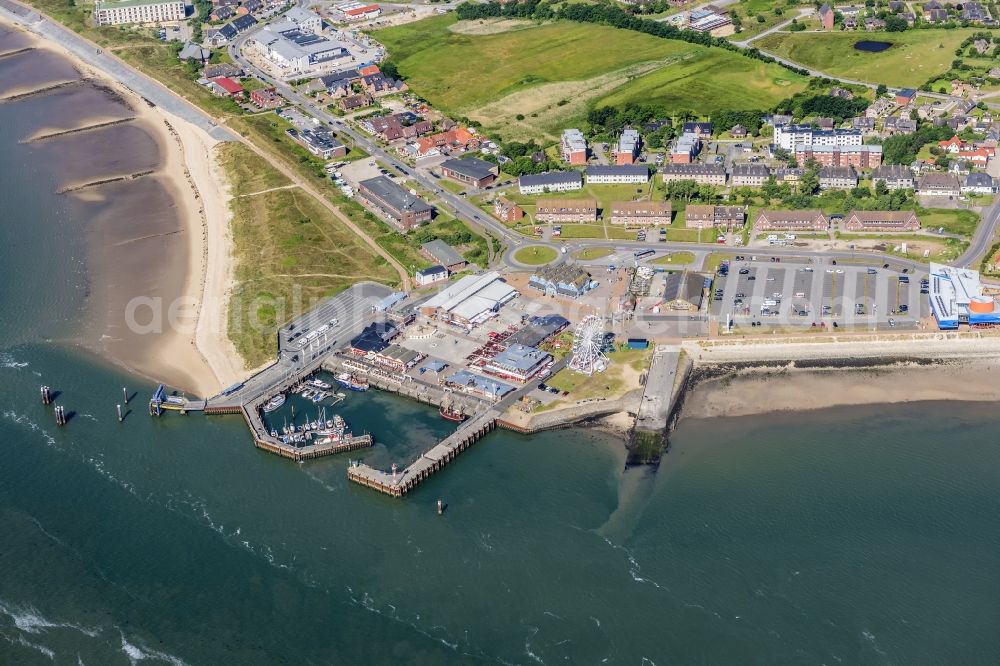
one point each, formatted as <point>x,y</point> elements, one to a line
<point>588,338</point>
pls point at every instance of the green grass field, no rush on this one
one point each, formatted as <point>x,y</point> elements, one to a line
<point>460,71</point>
<point>288,249</point>
<point>593,253</point>
<point>675,259</point>
<point>535,255</point>
<point>915,57</point>
<point>536,80</point>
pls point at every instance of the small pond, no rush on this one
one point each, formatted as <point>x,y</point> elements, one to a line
<point>869,46</point>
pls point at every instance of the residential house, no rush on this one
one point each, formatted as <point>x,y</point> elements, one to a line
<point>222,69</point>
<point>837,178</point>
<point>440,252</point>
<point>843,93</point>
<point>724,218</point>
<point>573,147</point>
<point>685,148</point>
<point>250,7</point>
<point>850,23</point>
<point>826,17</point>
<point>864,124</point>
<point>789,136</point>
<point>627,149</point>
<point>974,12</point>
<point>738,131</point>
<point>895,177</point>
<point>936,16</point>
<point>824,123</point>
<point>138,11</point>
<point>873,24</point>
<point>953,145</point>
<point>223,86</point>
<point>979,183</point>
<point>791,220</point>
<point>978,157</point>
<point>400,207</point>
<point>354,102</point>
<point>703,174</point>
<point>266,98</point>
<point>701,129</point>
<point>471,171</point>
<point>559,211</point>
<point>339,84</point>
<point>749,175</point>
<point>939,185</point>
<point>614,174</point>
<point>898,125</point>
<point>905,95</point>
<point>640,213</point>
<point>550,181</point>
<point>426,276</point>
<point>459,140</point>
<point>507,210</point>
<point>861,157</point>
<point>321,142</point>
<point>221,13</point>
<point>378,85</point>
<point>883,221</point>
<point>791,175</point>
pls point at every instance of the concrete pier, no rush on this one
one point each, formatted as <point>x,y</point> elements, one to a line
<point>400,483</point>
<point>663,386</point>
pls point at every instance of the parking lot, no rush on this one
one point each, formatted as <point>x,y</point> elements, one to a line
<point>801,293</point>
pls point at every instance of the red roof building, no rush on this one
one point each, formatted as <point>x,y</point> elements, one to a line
<point>232,88</point>
<point>952,145</point>
<point>369,70</point>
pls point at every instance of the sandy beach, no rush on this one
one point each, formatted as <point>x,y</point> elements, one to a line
<point>195,354</point>
<point>734,379</point>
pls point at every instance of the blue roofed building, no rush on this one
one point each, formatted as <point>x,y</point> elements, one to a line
<point>518,363</point>
<point>485,387</point>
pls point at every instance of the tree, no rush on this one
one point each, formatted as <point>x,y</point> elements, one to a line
<point>389,70</point>
<point>881,90</point>
<point>881,189</point>
<point>809,182</point>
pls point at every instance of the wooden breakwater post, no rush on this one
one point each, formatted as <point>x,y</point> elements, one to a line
<point>118,408</point>
<point>440,507</point>
<point>125,395</point>
<point>60,416</point>
<point>46,395</point>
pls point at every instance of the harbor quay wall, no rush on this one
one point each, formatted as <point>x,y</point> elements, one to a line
<point>317,451</point>
<point>567,416</point>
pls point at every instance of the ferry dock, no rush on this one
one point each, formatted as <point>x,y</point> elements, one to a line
<point>321,340</point>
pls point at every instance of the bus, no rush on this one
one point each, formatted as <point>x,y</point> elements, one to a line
<point>642,254</point>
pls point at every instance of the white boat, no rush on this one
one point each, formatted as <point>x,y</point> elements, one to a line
<point>274,403</point>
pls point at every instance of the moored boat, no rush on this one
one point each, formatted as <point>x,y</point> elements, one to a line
<point>349,381</point>
<point>274,403</point>
<point>452,414</point>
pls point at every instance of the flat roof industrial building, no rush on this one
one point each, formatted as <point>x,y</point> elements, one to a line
<point>956,297</point>
<point>470,301</point>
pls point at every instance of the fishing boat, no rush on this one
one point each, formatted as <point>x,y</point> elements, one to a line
<point>316,383</point>
<point>349,381</point>
<point>452,414</point>
<point>274,403</point>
